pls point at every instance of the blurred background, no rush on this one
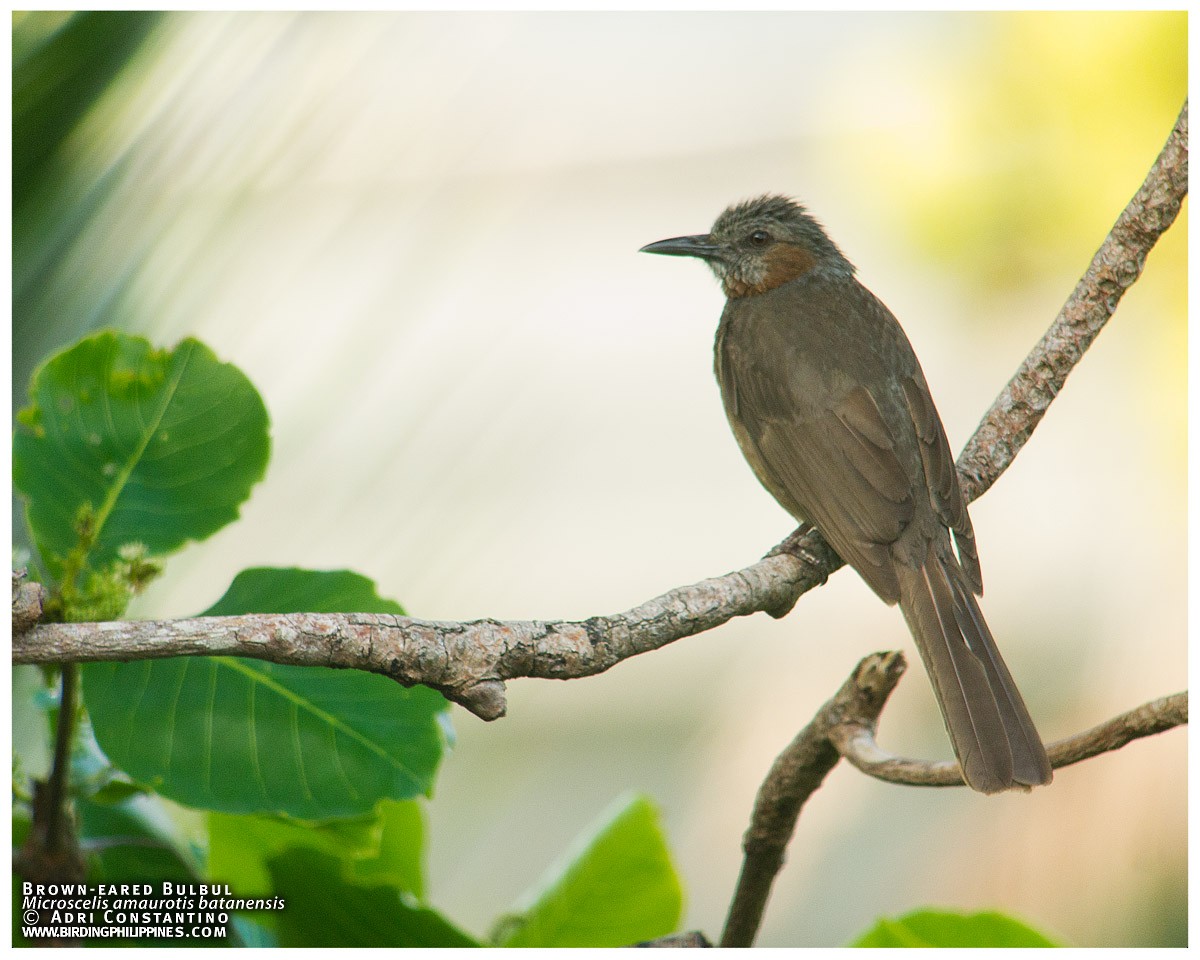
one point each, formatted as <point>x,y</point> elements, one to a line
<point>417,234</point>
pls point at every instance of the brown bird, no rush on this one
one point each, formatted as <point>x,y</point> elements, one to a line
<point>831,409</point>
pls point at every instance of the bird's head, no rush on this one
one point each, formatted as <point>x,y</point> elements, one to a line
<point>758,245</point>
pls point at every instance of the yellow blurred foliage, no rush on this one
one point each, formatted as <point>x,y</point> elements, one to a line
<point>1043,141</point>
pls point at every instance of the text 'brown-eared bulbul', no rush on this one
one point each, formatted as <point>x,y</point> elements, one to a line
<point>831,409</point>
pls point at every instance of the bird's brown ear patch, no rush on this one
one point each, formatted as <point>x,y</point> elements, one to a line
<point>786,262</point>
<point>782,263</point>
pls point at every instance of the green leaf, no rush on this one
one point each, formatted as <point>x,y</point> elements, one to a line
<point>117,791</point>
<point>133,842</point>
<point>936,928</point>
<point>130,842</point>
<point>293,590</point>
<point>142,445</point>
<point>239,847</point>
<point>246,736</point>
<point>323,910</point>
<point>400,862</point>
<point>386,848</point>
<point>615,887</point>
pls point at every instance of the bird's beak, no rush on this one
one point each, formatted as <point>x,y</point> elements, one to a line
<point>701,246</point>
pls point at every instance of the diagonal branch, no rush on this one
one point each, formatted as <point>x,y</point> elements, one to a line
<point>470,662</point>
<point>1113,270</point>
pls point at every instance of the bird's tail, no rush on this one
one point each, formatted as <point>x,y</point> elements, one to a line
<point>995,741</point>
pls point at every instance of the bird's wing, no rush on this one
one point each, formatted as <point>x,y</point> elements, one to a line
<point>945,493</point>
<point>836,468</point>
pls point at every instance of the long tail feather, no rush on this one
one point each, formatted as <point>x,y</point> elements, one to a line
<point>994,738</point>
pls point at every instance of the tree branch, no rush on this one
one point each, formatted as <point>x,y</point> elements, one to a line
<point>27,602</point>
<point>856,742</point>
<point>1113,270</point>
<point>692,938</point>
<point>470,662</point>
<point>794,777</point>
<point>467,662</point>
<point>845,726</point>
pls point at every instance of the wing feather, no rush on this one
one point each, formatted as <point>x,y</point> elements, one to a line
<point>838,470</point>
<point>945,493</point>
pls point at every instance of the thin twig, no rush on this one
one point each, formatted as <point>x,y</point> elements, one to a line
<point>856,742</point>
<point>60,770</point>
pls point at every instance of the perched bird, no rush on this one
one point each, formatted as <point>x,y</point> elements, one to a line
<point>831,409</point>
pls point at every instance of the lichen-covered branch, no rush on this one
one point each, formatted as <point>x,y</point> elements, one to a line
<point>469,662</point>
<point>1113,270</point>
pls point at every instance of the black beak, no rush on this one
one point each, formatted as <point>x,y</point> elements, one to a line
<point>701,246</point>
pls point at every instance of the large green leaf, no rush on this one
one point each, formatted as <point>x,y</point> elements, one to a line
<point>246,736</point>
<point>386,847</point>
<point>614,888</point>
<point>937,928</point>
<point>158,447</point>
<point>323,910</point>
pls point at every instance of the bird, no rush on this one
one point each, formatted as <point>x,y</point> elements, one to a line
<point>831,408</point>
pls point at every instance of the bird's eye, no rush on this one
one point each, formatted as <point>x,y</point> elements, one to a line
<point>759,238</point>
